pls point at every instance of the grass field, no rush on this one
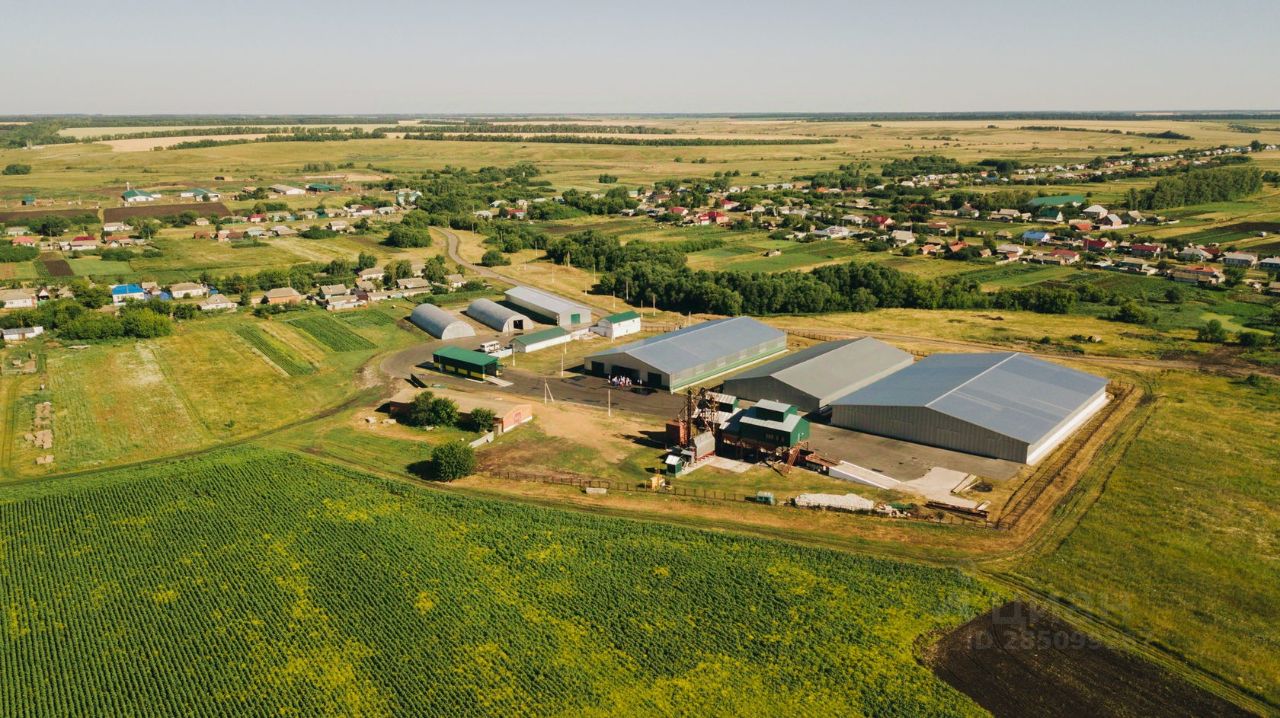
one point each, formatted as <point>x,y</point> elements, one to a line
<point>1181,544</point>
<point>241,596</point>
<point>203,385</point>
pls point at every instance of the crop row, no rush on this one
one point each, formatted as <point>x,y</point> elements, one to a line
<point>279,355</point>
<point>331,334</point>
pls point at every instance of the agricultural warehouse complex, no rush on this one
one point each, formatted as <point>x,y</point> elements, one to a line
<point>812,378</point>
<point>1003,405</point>
<point>439,323</point>
<point>687,356</point>
<point>497,317</point>
<point>464,362</point>
<point>549,307</point>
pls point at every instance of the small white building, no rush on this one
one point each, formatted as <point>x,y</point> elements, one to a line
<point>287,190</point>
<point>618,325</point>
<point>21,334</point>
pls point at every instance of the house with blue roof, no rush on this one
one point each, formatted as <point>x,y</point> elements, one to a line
<point>1036,236</point>
<point>122,293</point>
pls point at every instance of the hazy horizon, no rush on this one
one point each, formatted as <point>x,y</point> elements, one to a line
<point>572,57</point>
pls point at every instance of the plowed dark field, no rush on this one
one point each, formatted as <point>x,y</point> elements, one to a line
<point>1021,661</point>
<point>204,209</point>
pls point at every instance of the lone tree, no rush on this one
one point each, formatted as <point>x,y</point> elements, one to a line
<point>450,462</point>
<point>1212,331</point>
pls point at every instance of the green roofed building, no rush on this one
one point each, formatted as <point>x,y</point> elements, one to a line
<point>28,200</point>
<point>768,425</point>
<point>465,362</point>
<point>1059,200</point>
<point>322,187</point>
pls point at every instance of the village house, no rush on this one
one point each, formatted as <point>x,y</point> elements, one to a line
<point>116,227</point>
<point>184,290</point>
<point>1270,264</point>
<point>17,299</point>
<point>133,196</point>
<point>1095,211</point>
<point>1198,275</point>
<point>902,237</point>
<point>1239,259</point>
<point>1146,250</point>
<point>1092,244</point>
<point>411,286</point>
<point>1081,225</point>
<point>282,295</point>
<point>217,303</point>
<point>1135,266</point>
<point>122,293</point>
<point>338,226</point>
<point>1194,253</point>
<point>329,291</point>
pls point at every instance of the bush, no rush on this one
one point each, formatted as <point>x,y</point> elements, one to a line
<point>146,324</point>
<point>317,233</point>
<point>1133,313</point>
<point>1251,339</point>
<point>427,409</point>
<point>17,169</point>
<point>481,420</point>
<point>450,462</point>
<point>494,258</point>
<point>1212,331</point>
<point>402,236</point>
<point>93,325</point>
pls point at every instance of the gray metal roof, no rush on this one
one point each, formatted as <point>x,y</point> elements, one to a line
<point>827,369</point>
<point>697,345</point>
<point>439,323</point>
<point>1009,393</point>
<point>492,314</point>
<point>546,301</point>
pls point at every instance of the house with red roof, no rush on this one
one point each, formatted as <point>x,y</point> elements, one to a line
<point>1098,245</point>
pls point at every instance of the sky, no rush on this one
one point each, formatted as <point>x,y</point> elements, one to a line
<point>580,56</point>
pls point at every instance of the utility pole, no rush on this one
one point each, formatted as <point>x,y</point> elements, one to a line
<point>609,401</point>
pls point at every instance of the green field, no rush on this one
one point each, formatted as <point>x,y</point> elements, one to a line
<point>1179,548</point>
<point>265,584</point>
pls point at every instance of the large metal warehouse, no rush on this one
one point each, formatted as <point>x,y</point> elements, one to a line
<point>1003,405</point>
<point>549,307</point>
<point>694,354</point>
<point>495,316</point>
<point>812,378</point>
<point>438,323</point>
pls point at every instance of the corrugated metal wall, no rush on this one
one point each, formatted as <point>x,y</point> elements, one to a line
<point>922,425</point>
